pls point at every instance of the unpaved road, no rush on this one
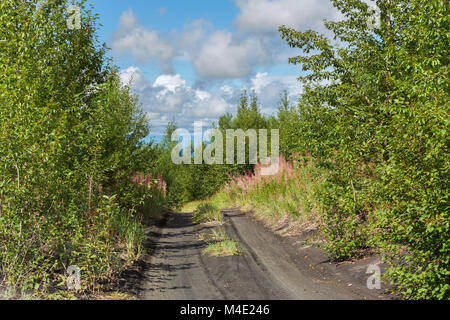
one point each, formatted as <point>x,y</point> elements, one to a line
<point>271,268</point>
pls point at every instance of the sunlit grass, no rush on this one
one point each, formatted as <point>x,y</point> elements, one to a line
<point>219,244</point>
<point>290,195</point>
<point>223,248</point>
<point>206,212</point>
<point>191,206</point>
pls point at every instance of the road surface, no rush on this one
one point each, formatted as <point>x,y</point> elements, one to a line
<point>271,268</point>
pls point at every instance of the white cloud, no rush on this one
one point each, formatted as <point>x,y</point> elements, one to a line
<point>133,76</point>
<point>211,108</point>
<point>223,54</point>
<point>202,95</point>
<point>128,20</point>
<point>170,97</point>
<point>216,56</point>
<point>220,56</point>
<point>169,82</point>
<point>269,87</point>
<point>191,37</point>
<point>227,90</point>
<point>259,16</point>
<point>262,81</point>
<point>144,45</point>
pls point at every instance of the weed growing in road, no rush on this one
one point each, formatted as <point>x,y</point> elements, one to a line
<point>206,212</point>
<point>223,248</point>
<point>215,236</point>
<point>219,244</point>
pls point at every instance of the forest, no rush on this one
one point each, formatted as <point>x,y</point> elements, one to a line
<point>364,149</point>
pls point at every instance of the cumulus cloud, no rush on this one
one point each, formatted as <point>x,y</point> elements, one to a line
<point>218,57</point>
<point>260,16</point>
<point>191,37</point>
<point>169,82</point>
<point>262,81</point>
<point>133,76</point>
<point>214,54</point>
<point>169,97</point>
<point>221,56</point>
<point>269,87</point>
<point>143,44</point>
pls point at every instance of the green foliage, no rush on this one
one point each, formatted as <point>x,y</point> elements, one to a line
<point>69,133</point>
<point>374,117</point>
<point>291,196</point>
<point>375,112</point>
<point>189,182</point>
<point>177,177</point>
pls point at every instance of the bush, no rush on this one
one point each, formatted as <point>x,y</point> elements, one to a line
<point>375,112</point>
<point>70,133</point>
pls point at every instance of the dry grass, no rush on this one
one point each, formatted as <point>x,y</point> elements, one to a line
<point>285,201</point>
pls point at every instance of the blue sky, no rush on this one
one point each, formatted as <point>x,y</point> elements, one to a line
<point>190,60</point>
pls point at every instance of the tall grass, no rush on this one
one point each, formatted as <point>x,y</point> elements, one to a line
<point>285,198</point>
<point>130,234</point>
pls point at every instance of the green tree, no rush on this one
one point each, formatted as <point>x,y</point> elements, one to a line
<point>69,134</point>
<point>365,95</point>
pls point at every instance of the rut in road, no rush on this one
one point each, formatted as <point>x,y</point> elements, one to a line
<point>177,269</point>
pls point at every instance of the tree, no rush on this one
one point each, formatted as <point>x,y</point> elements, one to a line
<point>365,94</point>
<point>70,134</point>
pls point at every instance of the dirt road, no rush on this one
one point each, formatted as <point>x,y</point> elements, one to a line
<point>270,268</point>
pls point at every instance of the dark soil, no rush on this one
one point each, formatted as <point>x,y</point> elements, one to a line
<point>271,267</point>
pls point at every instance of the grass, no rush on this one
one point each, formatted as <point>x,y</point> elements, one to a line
<point>223,248</point>
<point>214,236</point>
<point>191,206</point>
<point>287,198</point>
<point>219,244</point>
<point>219,200</point>
<point>131,235</point>
<point>115,296</point>
<point>206,212</point>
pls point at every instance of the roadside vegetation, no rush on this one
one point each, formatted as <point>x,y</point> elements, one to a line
<point>77,183</point>
<point>286,200</point>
